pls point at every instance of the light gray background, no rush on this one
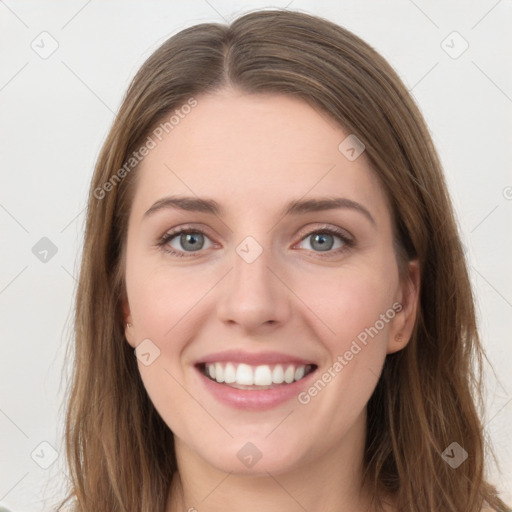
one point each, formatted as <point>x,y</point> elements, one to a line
<point>55,113</point>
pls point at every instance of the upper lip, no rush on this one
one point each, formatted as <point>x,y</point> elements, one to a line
<point>252,358</point>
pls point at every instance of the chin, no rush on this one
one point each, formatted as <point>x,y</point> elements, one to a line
<point>256,458</point>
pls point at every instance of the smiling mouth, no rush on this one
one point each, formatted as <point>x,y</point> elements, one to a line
<point>251,377</point>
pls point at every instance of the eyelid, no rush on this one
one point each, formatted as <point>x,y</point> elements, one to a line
<point>347,239</point>
<point>172,233</point>
<point>307,231</point>
<point>196,228</point>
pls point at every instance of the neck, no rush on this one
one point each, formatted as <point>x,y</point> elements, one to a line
<point>329,482</point>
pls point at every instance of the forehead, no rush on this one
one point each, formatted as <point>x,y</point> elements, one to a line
<point>255,150</point>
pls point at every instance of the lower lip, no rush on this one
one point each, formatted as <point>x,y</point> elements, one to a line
<point>254,399</point>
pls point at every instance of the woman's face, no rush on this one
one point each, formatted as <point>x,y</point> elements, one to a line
<point>268,285</point>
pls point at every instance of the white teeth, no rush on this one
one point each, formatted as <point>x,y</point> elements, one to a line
<point>219,372</point>
<point>278,374</point>
<point>244,375</point>
<point>262,375</point>
<point>289,374</point>
<point>230,373</point>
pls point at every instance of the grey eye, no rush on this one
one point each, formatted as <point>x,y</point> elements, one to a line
<point>322,241</point>
<point>188,242</point>
<point>319,241</point>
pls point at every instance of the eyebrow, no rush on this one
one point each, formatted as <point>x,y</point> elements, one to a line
<point>295,207</point>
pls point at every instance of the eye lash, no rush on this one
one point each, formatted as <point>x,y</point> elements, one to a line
<point>167,237</point>
<point>348,242</point>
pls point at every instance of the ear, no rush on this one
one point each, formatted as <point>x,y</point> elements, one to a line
<point>128,323</point>
<point>409,295</point>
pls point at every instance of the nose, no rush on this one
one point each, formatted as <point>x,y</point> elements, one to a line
<point>253,295</point>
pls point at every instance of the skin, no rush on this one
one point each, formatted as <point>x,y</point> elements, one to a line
<point>252,154</point>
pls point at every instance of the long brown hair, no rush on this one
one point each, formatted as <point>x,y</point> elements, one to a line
<point>119,450</point>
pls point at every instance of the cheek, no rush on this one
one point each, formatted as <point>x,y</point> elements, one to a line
<point>338,303</point>
<point>162,304</point>
<point>349,302</point>
<point>357,307</point>
<point>161,297</point>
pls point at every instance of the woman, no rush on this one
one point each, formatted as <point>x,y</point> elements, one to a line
<point>273,311</point>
